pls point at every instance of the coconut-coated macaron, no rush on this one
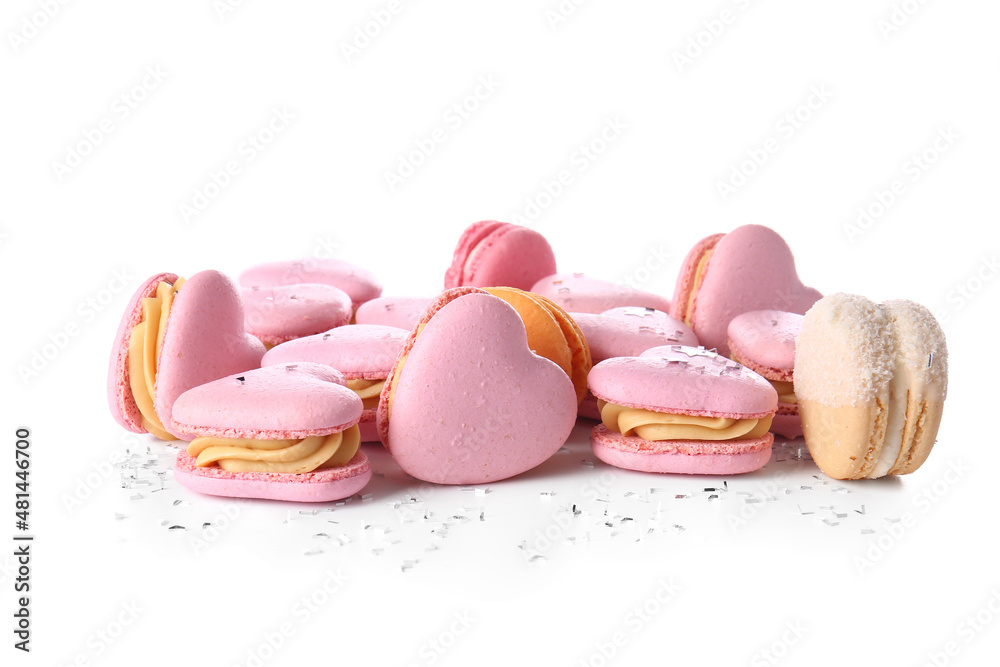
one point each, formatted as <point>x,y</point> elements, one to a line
<point>764,342</point>
<point>286,432</point>
<point>750,268</point>
<point>684,410</point>
<point>279,314</point>
<point>499,254</point>
<point>871,380</point>
<point>578,293</point>
<point>175,335</point>
<point>364,353</point>
<point>359,283</point>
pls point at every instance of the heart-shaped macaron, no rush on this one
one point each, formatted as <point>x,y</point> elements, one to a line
<point>202,339</point>
<point>724,275</point>
<point>578,293</point>
<point>468,402</point>
<point>364,353</point>
<point>393,311</point>
<point>682,409</point>
<point>359,283</point>
<point>272,403</point>
<point>282,432</point>
<point>279,314</point>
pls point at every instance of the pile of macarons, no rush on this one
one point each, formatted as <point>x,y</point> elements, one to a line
<point>276,383</point>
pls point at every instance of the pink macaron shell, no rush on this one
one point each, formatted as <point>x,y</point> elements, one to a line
<point>473,404</point>
<point>359,283</point>
<point>401,311</point>
<point>684,380</point>
<point>473,235</point>
<point>787,425</point>
<point>203,341</point>
<point>751,268</point>
<point>368,426</point>
<point>286,312</point>
<point>764,340</point>
<point>690,457</point>
<point>277,402</point>
<point>588,407</point>
<point>315,487</point>
<point>439,302</point>
<point>688,273</point>
<point>577,293</point>
<point>123,407</point>
<point>510,256</point>
<point>629,331</point>
<point>366,351</point>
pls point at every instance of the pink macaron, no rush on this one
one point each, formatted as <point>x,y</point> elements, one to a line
<point>627,332</point>
<point>578,293</point>
<point>682,409</point>
<point>764,342</point>
<point>393,311</point>
<point>724,275</point>
<point>364,353</point>
<point>630,331</point>
<point>279,314</point>
<point>175,335</point>
<point>285,432</point>
<point>500,254</point>
<point>359,283</point>
<point>467,401</point>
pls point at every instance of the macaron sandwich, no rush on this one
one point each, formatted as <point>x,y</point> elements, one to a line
<point>871,381</point>
<point>364,353</point>
<point>682,409</point>
<point>468,401</point>
<point>764,342</point>
<point>285,432</point>
<point>175,335</point>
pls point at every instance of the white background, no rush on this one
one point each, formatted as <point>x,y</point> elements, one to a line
<point>113,585</point>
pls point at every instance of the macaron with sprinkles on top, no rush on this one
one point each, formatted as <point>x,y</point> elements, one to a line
<point>682,409</point>
<point>364,353</point>
<point>871,381</point>
<point>282,433</point>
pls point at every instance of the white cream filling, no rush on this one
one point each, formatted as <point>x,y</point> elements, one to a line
<point>892,444</point>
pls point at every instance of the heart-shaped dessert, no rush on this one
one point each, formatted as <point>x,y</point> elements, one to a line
<point>364,353</point>
<point>467,401</point>
<point>174,335</point>
<point>282,432</point>
<point>725,275</point>
<point>204,340</point>
<point>279,314</point>
<point>578,293</point>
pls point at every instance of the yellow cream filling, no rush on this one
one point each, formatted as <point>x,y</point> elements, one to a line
<point>786,391</point>
<point>398,370</point>
<point>650,425</point>
<point>368,390</point>
<point>698,275</point>
<point>143,352</point>
<point>285,456</point>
